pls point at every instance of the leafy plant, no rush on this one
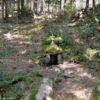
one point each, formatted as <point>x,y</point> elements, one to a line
<point>79,58</point>
<point>69,9</point>
<point>97,56</point>
<point>35,88</point>
<point>94,71</point>
<point>88,27</point>
<point>5,48</point>
<point>67,40</point>
<point>95,95</point>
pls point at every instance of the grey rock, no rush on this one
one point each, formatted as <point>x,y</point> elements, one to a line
<point>45,90</point>
<point>47,59</point>
<point>59,58</point>
<point>98,88</point>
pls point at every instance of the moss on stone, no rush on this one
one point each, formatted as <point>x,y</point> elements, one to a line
<point>58,40</point>
<point>53,48</point>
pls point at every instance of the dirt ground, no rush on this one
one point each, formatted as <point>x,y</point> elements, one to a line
<point>18,40</point>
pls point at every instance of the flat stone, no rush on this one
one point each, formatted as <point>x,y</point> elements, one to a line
<point>59,58</point>
<point>45,90</point>
<point>98,88</point>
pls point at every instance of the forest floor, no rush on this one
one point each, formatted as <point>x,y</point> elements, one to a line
<point>19,43</point>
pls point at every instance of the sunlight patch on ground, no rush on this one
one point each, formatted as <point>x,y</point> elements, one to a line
<point>22,43</point>
<point>22,51</point>
<point>73,24</point>
<point>78,90</point>
<point>10,36</point>
<point>19,39</point>
<point>85,74</point>
<point>35,29</point>
<point>66,65</point>
<point>90,53</point>
<point>28,61</point>
<point>84,94</point>
<point>18,36</point>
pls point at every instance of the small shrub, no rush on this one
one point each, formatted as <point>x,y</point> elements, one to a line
<point>95,95</point>
<point>67,39</point>
<point>6,50</point>
<point>94,71</point>
<point>79,58</point>
<point>69,9</point>
<point>88,27</point>
<point>35,88</point>
<point>97,56</point>
<point>34,57</point>
<point>5,53</point>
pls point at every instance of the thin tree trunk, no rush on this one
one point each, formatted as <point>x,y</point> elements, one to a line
<point>2,3</point>
<point>62,5</point>
<point>87,4</point>
<point>18,10</point>
<point>22,7</point>
<point>6,10</point>
<point>33,12</point>
<point>94,4</point>
<point>43,1</point>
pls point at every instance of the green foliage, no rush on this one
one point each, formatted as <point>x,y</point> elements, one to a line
<point>95,95</point>
<point>94,71</point>
<point>53,29</point>
<point>53,2</point>
<point>69,9</point>
<point>35,57</point>
<point>35,88</point>
<point>6,79</point>
<point>88,28</point>
<point>13,92</point>
<point>97,16</point>
<point>5,50</point>
<point>79,58</point>
<point>67,39</point>
<point>16,90</point>
<point>56,80</point>
<point>75,53</point>
<point>58,39</point>
<point>97,56</point>
<point>55,47</point>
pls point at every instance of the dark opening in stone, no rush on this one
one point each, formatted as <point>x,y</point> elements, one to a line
<point>53,59</point>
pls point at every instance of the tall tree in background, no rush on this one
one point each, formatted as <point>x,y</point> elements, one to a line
<point>94,2</point>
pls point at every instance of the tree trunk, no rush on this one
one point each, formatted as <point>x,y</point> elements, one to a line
<point>6,9</point>
<point>87,5</point>
<point>2,4</point>
<point>33,12</point>
<point>22,8</point>
<point>62,5</point>
<point>94,2</point>
<point>18,10</point>
<point>43,4</point>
